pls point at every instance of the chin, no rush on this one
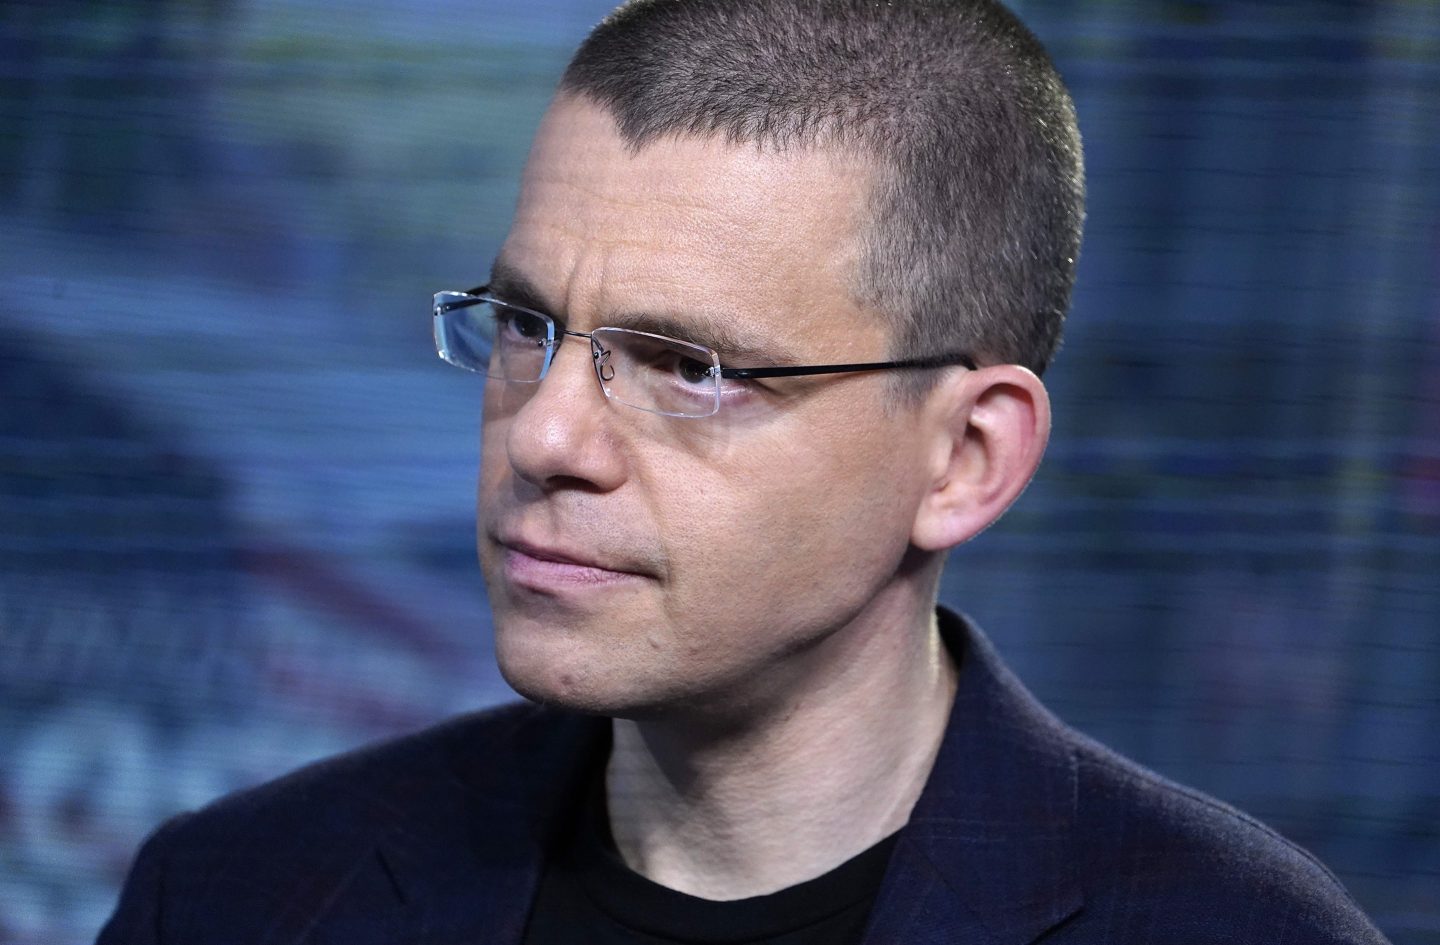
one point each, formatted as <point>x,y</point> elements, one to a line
<point>550,684</point>
<point>552,667</point>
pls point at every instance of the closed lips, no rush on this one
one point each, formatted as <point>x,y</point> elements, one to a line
<point>557,556</point>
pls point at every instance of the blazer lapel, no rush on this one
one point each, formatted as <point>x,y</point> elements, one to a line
<point>987,855</point>
<point>313,881</point>
<point>455,849</point>
<point>467,871</point>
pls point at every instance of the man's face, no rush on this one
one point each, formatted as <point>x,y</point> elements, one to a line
<point>640,563</point>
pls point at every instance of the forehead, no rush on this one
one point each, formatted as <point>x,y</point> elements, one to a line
<point>687,225</point>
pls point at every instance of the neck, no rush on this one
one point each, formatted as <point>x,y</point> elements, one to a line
<point>761,803</point>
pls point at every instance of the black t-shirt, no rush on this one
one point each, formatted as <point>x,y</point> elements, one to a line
<point>588,896</point>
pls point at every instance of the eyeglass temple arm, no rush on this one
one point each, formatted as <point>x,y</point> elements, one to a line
<point>949,360</point>
<point>466,300</point>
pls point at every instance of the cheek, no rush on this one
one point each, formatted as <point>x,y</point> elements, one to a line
<point>494,425</point>
<point>792,514</point>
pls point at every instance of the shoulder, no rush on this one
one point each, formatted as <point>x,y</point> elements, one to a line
<point>279,855</point>
<point>336,806</point>
<point>1153,852</point>
<point>1117,852</point>
<point>374,782</point>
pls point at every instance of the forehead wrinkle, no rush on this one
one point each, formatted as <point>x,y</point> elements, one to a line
<point>747,250</point>
<point>511,284</point>
<point>654,190</point>
<point>649,185</point>
<point>700,328</point>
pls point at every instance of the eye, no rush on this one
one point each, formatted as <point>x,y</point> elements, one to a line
<point>692,371</point>
<point>515,325</point>
<point>663,360</point>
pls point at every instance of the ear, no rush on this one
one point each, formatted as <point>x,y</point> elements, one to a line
<point>989,429</point>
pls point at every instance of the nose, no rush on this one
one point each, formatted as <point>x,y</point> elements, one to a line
<point>561,431</point>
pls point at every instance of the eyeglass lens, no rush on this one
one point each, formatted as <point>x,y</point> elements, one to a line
<point>655,373</point>
<point>652,372</point>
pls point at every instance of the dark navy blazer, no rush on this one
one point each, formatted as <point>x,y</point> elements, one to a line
<point>1025,830</point>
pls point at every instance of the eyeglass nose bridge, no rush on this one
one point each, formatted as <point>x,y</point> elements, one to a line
<point>599,356</point>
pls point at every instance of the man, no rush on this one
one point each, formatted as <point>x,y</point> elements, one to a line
<point>764,341</point>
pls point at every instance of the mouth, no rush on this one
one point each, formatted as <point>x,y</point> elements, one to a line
<point>549,568</point>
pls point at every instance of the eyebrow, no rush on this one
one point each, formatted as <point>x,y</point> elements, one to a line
<point>735,349</point>
<point>512,285</point>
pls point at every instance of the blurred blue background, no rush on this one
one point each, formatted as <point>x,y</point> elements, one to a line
<point>236,485</point>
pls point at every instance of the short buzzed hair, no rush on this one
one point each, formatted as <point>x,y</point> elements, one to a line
<point>975,219</point>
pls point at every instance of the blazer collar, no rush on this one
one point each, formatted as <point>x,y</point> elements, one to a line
<point>436,839</point>
<point>468,868</point>
<point>988,854</point>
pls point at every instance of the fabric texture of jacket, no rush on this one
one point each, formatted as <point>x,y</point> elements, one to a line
<point>1025,830</point>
